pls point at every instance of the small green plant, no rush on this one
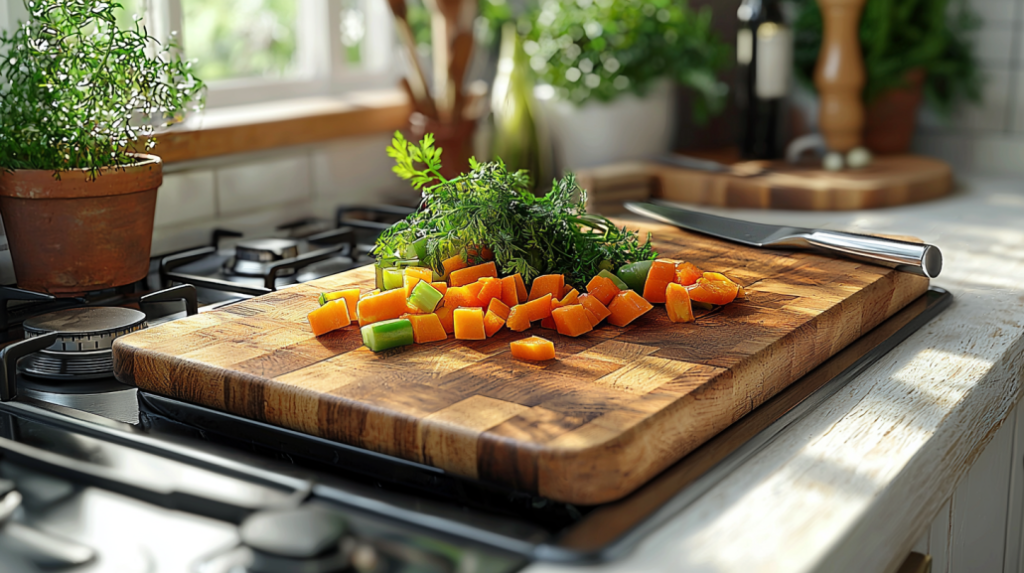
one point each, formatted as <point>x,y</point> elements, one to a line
<point>898,36</point>
<point>600,49</point>
<point>78,92</point>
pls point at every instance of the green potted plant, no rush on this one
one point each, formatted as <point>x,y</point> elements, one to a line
<point>913,50</point>
<point>78,95</point>
<point>607,69</point>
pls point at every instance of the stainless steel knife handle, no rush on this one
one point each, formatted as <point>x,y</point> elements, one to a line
<point>918,258</point>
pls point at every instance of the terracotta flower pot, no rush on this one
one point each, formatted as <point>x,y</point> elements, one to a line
<point>454,139</point>
<point>76,235</point>
<point>890,119</point>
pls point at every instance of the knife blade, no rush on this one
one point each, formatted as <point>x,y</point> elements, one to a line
<point>917,258</point>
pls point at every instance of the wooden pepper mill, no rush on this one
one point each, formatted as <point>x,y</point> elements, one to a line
<point>839,77</point>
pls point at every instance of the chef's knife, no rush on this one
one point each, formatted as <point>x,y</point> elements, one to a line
<point>918,258</point>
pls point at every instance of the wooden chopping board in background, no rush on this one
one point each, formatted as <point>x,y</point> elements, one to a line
<point>616,407</point>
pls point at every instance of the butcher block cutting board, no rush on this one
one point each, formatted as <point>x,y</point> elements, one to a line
<point>616,407</point>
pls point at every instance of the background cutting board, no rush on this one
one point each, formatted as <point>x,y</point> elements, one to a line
<point>616,407</point>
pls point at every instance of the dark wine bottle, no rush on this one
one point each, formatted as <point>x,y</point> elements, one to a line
<point>764,58</point>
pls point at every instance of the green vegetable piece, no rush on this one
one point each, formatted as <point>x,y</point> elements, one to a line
<point>606,265</point>
<point>393,278</point>
<point>381,336</point>
<point>425,297</point>
<point>618,282</point>
<point>416,250</point>
<point>635,274</point>
<point>326,297</point>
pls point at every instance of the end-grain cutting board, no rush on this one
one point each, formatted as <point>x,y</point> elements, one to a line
<point>617,406</point>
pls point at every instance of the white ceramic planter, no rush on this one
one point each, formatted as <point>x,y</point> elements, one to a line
<point>598,133</point>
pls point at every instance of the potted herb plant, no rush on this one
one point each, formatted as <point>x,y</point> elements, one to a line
<point>913,50</point>
<point>608,67</point>
<point>78,95</point>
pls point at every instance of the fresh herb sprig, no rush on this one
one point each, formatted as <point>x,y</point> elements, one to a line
<point>491,207</point>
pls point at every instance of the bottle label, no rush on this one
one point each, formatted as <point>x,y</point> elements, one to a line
<point>774,60</point>
<point>744,46</point>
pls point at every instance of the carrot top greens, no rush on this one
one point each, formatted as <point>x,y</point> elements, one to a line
<point>492,208</point>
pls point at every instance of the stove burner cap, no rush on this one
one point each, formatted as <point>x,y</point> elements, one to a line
<point>87,329</point>
<point>266,250</point>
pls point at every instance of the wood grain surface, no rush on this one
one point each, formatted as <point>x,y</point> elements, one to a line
<point>889,181</point>
<point>616,407</point>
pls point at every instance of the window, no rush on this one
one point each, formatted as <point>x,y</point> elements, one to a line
<point>251,51</point>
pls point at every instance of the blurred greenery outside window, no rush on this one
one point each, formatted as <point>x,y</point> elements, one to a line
<point>251,51</point>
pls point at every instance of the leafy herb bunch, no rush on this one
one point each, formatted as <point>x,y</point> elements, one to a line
<point>77,91</point>
<point>601,49</point>
<point>492,208</point>
<point>899,36</point>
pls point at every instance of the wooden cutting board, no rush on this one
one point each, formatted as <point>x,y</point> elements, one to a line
<point>616,407</point>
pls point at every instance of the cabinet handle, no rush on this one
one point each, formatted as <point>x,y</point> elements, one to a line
<point>916,563</point>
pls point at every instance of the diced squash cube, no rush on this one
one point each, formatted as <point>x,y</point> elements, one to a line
<point>533,348</point>
<point>687,274</point>
<point>509,294</point>
<point>426,328</point>
<point>571,297</point>
<point>520,287</point>
<point>713,292</point>
<point>470,275</point>
<point>452,264</point>
<point>441,286</point>
<point>490,289</point>
<point>591,303</point>
<point>469,324</point>
<point>677,303</point>
<point>492,323</point>
<point>387,305</point>
<point>414,275</point>
<point>548,323</point>
<point>594,321</point>
<point>331,316</point>
<point>518,318</point>
<point>499,308</point>
<point>603,289</point>
<point>658,278</point>
<point>571,320</point>
<point>351,297</point>
<point>547,284</point>
<point>537,309</point>
<point>461,297</point>
<point>626,307</point>
<point>566,290</point>
<point>444,314</point>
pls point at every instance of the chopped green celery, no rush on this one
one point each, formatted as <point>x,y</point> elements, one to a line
<point>610,275</point>
<point>635,274</point>
<point>393,278</point>
<point>381,336</point>
<point>425,297</point>
<point>391,262</point>
<point>326,297</point>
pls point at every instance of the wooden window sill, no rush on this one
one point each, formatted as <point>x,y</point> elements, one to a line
<point>259,127</point>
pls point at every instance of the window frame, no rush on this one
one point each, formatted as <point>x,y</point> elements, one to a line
<point>323,69</point>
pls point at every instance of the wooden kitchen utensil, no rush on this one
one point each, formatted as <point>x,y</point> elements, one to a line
<point>615,408</point>
<point>839,75</point>
<point>416,83</point>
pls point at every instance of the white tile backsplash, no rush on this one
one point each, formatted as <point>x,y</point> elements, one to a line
<point>995,13</point>
<point>186,196</point>
<point>252,186</point>
<point>356,171</point>
<point>995,46</point>
<point>991,114</point>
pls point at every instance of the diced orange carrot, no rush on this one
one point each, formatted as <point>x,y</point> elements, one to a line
<point>499,308</point>
<point>491,289</point>
<point>469,324</point>
<point>452,264</point>
<point>661,273</point>
<point>470,275</point>
<point>571,320</point>
<point>571,297</point>
<point>518,318</point>
<point>441,286</point>
<point>426,328</point>
<point>591,303</point>
<point>547,284</point>
<point>492,323</point>
<point>351,297</point>
<point>538,309</point>
<point>509,294</point>
<point>687,274</point>
<point>626,307</point>
<point>713,292</point>
<point>548,323</point>
<point>677,303</point>
<point>594,321</point>
<point>603,289</point>
<point>533,348</point>
<point>413,275</point>
<point>384,306</point>
<point>461,296</point>
<point>444,314</point>
<point>520,288</point>
<point>331,316</point>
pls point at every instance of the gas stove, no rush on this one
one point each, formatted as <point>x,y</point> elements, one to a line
<point>97,476</point>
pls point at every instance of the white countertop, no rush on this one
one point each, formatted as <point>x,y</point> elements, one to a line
<point>854,484</point>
